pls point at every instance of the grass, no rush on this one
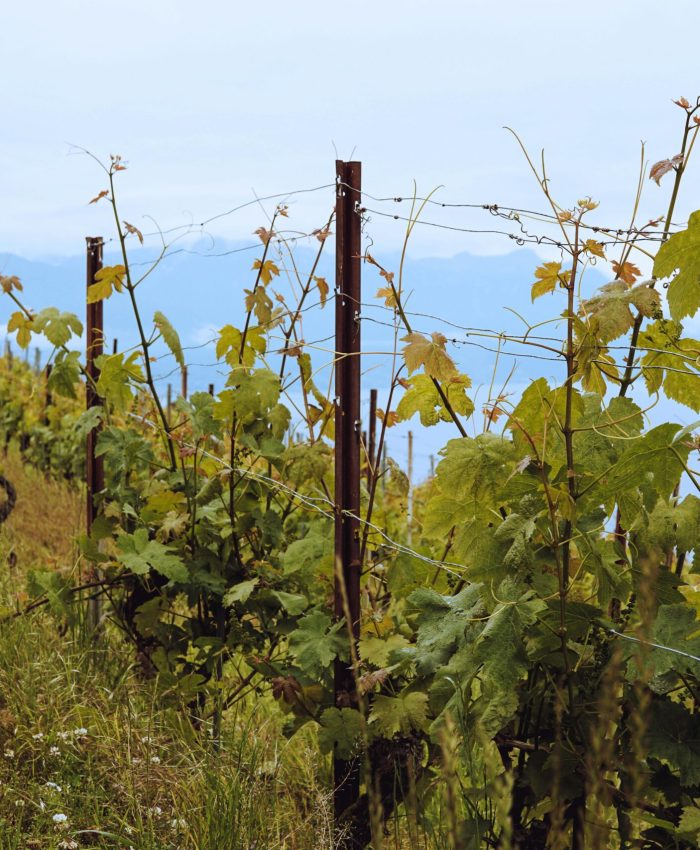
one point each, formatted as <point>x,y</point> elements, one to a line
<point>90,758</point>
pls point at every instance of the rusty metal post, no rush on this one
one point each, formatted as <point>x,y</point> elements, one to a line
<point>94,348</point>
<point>346,774</point>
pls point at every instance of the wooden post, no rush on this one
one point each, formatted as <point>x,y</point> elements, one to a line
<point>211,389</point>
<point>94,348</point>
<point>115,345</point>
<point>346,773</point>
<point>183,391</point>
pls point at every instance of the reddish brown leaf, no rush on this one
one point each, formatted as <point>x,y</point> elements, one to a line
<point>627,272</point>
<point>134,231</point>
<point>682,102</point>
<point>265,235</point>
<point>659,169</point>
<point>103,194</point>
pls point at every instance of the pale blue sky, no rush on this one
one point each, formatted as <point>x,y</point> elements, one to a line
<point>208,100</point>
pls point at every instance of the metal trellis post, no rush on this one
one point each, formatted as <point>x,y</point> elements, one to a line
<point>347,457</point>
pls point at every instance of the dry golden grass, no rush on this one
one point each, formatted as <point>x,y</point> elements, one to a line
<point>41,530</point>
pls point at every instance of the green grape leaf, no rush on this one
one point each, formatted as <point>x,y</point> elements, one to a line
<point>117,376</point>
<point>340,732</point>
<point>422,397</point>
<point>141,555</point>
<point>240,592</point>
<point>316,642</point>
<point>377,650</point>
<point>57,327</point>
<point>65,373</point>
<point>399,715</point>
<point>674,736</point>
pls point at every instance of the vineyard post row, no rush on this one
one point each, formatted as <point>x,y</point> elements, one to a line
<point>348,431</point>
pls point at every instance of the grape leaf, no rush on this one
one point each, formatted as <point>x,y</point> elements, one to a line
<point>422,397</point>
<point>107,280</point>
<point>340,732</point>
<point>399,715</point>
<point>681,255</point>
<point>430,354</point>
<point>316,642</point>
<point>170,336</point>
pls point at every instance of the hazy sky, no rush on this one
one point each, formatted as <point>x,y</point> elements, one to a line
<point>210,100</point>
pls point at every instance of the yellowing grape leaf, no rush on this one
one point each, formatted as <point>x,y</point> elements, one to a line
<point>594,248</point>
<point>107,280</point>
<point>430,354</point>
<point>268,270</point>
<point>23,325</point>
<point>387,293</point>
<point>170,336</point>
<point>323,289</point>
<point>548,276</point>
<point>7,284</point>
<point>391,418</point>
<point>610,310</point>
<point>680,255</point>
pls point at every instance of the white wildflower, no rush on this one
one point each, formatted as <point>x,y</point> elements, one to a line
<point>155,760</point>
<point>63,735</point>
<point>9,754</point>
<point>54,786</point>
<point>38,736</point>
<point>54,751</point>
<point>59,818</point>
<point>80,732</point>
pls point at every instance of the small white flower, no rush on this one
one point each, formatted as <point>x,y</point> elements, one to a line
<point>54,786</point>
<point>128,829</point>
<point>80,732</point>
<point>38,736</point>
<point>54,751</point>
<point>63,735</point>
<point>156,810</point>
<point>136,760</point>
<point>9,754</point>
<point>155,760</point>
<point>68,844</point>
<point>59,818</point>
<point>19,803</point>
<point>145,740</point>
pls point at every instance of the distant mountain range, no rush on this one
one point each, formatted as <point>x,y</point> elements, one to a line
<point>464,297</point>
